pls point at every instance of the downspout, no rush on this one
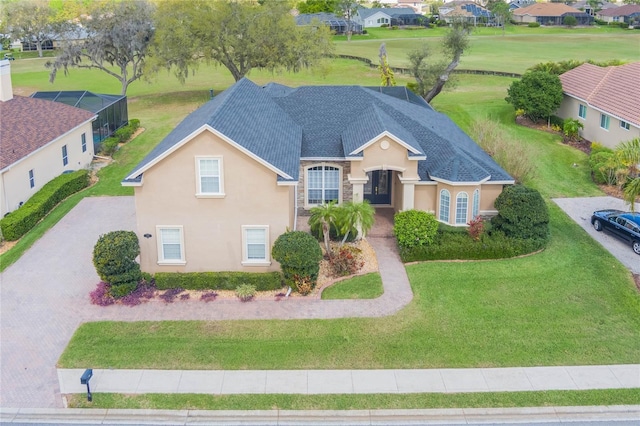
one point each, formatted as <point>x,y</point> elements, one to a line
<point>295,207</point>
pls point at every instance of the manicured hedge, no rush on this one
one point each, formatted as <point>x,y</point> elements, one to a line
<point>460,246</point>
<point>218,280</point>
<point>20,221</point>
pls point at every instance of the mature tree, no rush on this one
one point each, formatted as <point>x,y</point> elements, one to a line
<point>431,77</point>
<point>538,94</point>
<point>386,73</point>
<point>348,9</point>
<point>240,36</point>
<point>117,41</point>
<point>570,21</point>
<point>69,10</point>
<point>502,12</point>
<point>317,6</point>
<point>30,20</point>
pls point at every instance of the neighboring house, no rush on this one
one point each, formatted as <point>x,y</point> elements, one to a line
<point>250,164</point>
<point>587,8</point>
<point>39,141</point>
<point>629,13</point>
<point>468,12</point>
<point>605,100</point>
<point>517,4</point>
<point>377,17</point>
<point>549,14</point>
<point>336,23</point>
<point>111,110</point>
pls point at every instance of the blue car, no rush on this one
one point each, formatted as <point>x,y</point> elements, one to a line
<point>623,225</point>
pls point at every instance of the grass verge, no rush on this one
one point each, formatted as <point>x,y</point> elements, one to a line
<point>367,286</point>
<point>357,402</point>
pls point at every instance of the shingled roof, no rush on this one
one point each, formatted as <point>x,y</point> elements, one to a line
<point>614,90</point>
<point>28,124</point>
<point>546,9</point>
<point>283,125</point>
<point>626,10</point>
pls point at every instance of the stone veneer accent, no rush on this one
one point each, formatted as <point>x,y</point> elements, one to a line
<point>347,188</point>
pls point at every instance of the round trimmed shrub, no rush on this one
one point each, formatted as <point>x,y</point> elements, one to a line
<point>414,228</point>
<point>522,213</point>
<point>114,257</point>
<point>299,254</point>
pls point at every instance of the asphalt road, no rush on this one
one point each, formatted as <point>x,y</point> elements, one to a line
<point>581,209</point>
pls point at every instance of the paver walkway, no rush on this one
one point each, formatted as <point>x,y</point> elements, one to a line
<point>44,298</point>
<point>447,380</point>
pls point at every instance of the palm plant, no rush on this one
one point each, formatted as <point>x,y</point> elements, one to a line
<point>356,215</point>
<point>629,155</point>
<point>631,192</point>
<point>324,216</point>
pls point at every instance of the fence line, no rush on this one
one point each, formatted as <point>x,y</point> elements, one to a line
<point>401,70</point>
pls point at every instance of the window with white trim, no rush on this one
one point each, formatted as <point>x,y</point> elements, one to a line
<point>209,171</point>
<point>323,184</point>
<point>475,209</point>
<point>624,125</point>
<point>462,204</point>
<point>170,245</point>
<point>32,180</point>
<point>65,157</point>
<point>83,139</point>
<point>582,111</point>
<point>445,198</point>
<point>604,121</point>
<point>255,245</point>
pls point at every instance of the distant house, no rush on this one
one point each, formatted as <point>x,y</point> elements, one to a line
<point>517,4</point>
<point>39,140</point>
<point>249,164</point>
<point>469,12</point>
<point>336,23</point>
<point>111,110</point>
<point>587,8</point>
<point>549,14</point>
<point>377,17</point>
<point>629,13</point>
<point>605,100</point>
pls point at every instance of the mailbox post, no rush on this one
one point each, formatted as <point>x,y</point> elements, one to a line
<point>84,380</point>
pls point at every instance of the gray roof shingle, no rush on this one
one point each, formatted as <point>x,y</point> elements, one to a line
<point>281,125</point>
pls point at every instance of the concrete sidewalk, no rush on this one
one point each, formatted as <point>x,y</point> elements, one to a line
<point>618,413</point>
<point>219,382</point>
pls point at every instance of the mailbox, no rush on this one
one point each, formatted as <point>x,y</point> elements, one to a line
<point>88,373</point>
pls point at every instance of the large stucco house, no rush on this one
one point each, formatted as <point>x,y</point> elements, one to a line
<point>39,140</point>
<point>250,163</point>
<point>549,14</point>
<point>605,100</point>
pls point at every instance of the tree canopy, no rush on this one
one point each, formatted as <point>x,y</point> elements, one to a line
<point>538,94</point>
<point>431,77</point>
<point>117,40</point>
<point>317,6</point>
<point>30,20</point>
<point>240,36</point>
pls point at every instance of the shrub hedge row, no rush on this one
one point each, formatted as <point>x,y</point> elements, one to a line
<point>461,246</point>
<point>218,280</point>
<point>20,221</point>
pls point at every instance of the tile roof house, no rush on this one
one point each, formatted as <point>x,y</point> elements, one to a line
<point>605,100</point>
<point>39,140</point>
<point>470,12</point>
<point>549,14</point>
<point>629,13</point>
<point>250,163</point>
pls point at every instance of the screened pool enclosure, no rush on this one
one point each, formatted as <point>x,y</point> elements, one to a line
<point>111,110</point>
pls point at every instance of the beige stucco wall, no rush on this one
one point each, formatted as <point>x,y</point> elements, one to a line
<point>212,227</point>
<point>426,198</point>
<point>592,130</point>
<point>46,164</point>
<point>393,157</point>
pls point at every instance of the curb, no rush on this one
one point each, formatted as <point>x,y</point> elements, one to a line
<point>322,417</point>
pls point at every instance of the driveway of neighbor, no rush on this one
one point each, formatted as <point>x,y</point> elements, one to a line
<point>44,297</point>
<point>580,210</point>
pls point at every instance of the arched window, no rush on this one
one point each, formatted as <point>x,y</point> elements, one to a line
<point>444,205</point>
<point>475,210</point>
<point>462,203</point>
<point>323,184</point>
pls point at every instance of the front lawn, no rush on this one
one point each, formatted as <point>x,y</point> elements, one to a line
<point>367,286</point>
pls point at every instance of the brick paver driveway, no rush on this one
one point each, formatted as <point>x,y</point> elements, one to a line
<point>44,298</point>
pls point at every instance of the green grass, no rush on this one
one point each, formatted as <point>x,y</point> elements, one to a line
<point>367,286</point>
<point>357,402</point>
<point>525,47</point>
<point>573,304</point>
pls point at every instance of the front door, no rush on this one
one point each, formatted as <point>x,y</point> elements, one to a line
<point>378,188</point>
